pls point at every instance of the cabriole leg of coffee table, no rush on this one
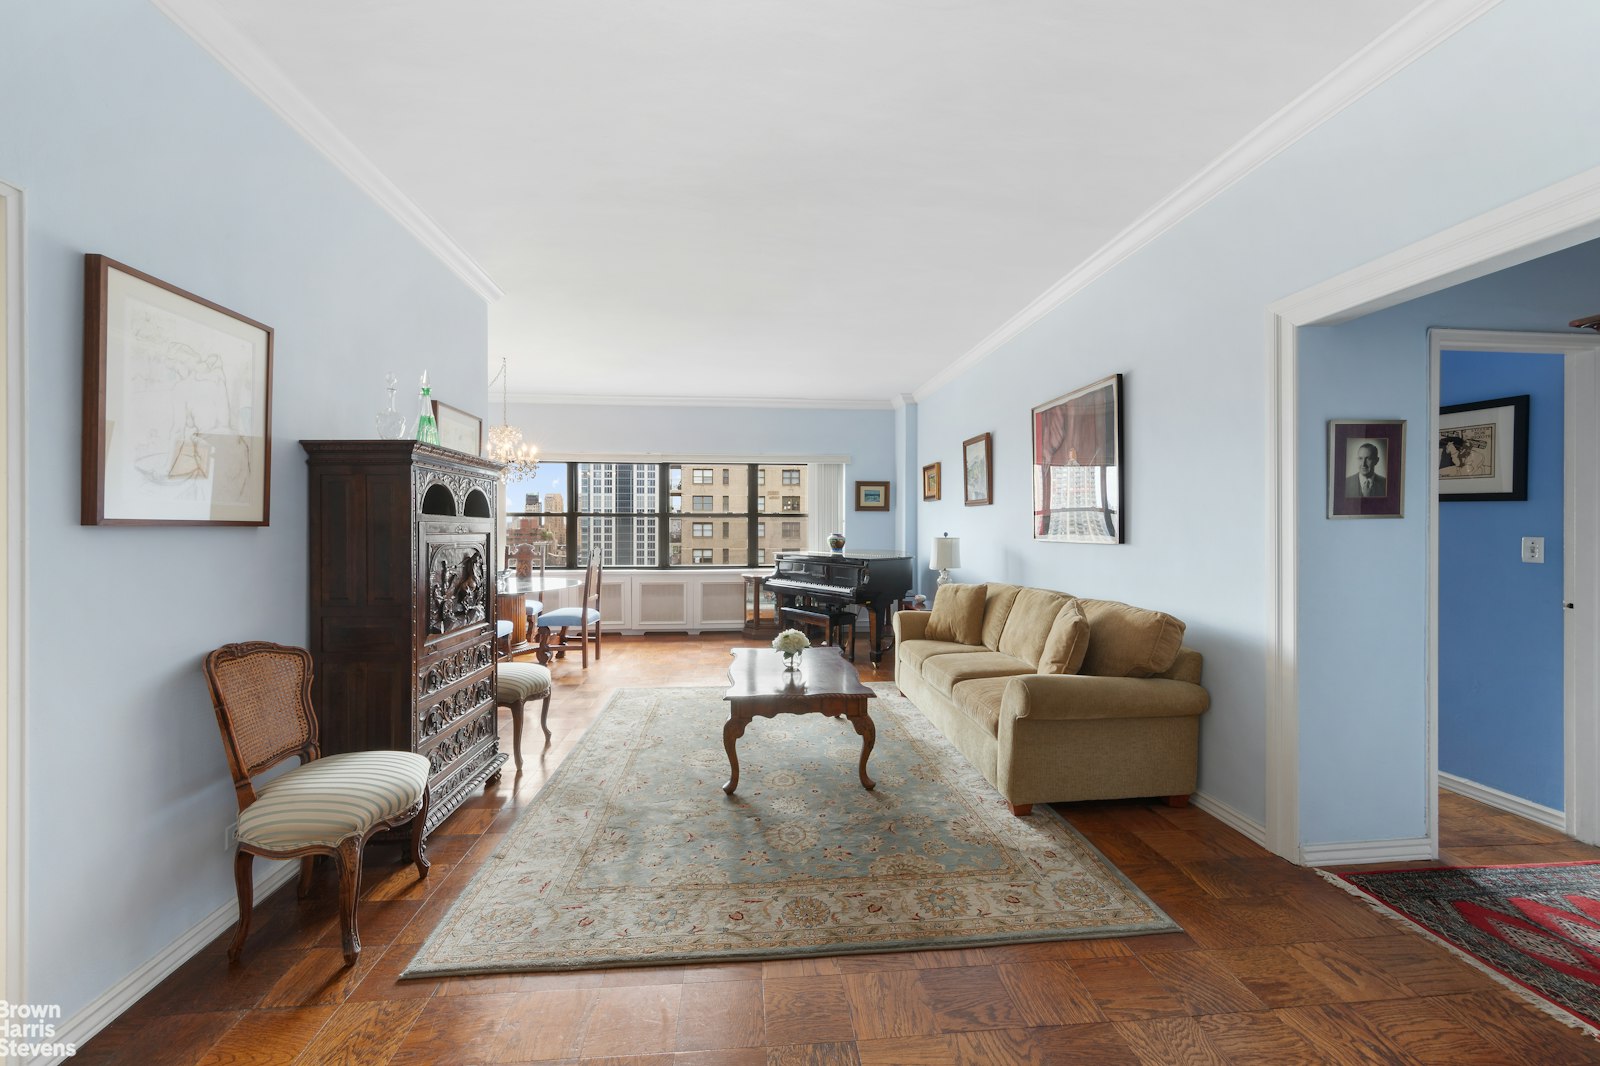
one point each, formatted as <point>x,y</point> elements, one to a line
<point>869,736</point>
<point>732,730</point>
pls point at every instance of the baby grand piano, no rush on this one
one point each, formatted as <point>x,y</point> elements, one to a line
<point>824,582</point>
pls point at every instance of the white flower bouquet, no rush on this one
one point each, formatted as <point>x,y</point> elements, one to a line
<point>790,642</point>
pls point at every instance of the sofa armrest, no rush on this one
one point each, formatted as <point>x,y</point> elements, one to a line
<point>1066,697</point>
<point>910,625</point>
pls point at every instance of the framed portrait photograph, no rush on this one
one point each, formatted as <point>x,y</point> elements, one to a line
<point>1077,466</point>
<point>1483,450</point>
<point>457,429</point>
<point>1366,468</point>
<point>872,495</point>
<point>977,469</point>
<point>177,405</point>
<point>930,481</point>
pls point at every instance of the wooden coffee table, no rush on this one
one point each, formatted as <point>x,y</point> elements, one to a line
<point>824,684</point>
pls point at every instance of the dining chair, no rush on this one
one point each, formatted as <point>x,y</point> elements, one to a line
<point>515,683</point>
<point>328,805</point>
<point>585,618</point>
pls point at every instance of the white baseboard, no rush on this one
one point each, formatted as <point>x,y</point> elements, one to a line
<point>83,1025</point>
<point>1364,852</point>
<point>1505,801</point>
<point>1231,817</point>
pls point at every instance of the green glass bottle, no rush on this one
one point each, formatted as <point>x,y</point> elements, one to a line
<point>427,428</point>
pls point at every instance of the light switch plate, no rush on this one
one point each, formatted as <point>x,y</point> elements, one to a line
<point>1533,549</point>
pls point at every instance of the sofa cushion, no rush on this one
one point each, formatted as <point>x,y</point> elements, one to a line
<point>944,672</point>
<point>1028,625</point>
<point>916,652</point>
<point>957,614</point>
<point>1129,641</point>
<point>996,608</point>
<point>1067,643</point>
<point>980,700</point>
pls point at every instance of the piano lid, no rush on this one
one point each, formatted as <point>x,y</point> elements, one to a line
<point>863,553</point>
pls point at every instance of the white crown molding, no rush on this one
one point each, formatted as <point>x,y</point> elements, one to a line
<point>1505,801</point>
<point>559,399</point>
<point>1404,42</point>
<point>212,31</point>
<point>677,457</point>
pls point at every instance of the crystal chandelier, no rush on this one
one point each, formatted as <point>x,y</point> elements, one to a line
<point>521,458</point>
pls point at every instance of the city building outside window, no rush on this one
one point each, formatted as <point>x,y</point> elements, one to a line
<point>702,529</point>
<point>791,503</point>
<point>702,555</point>
<point>702,503</point>
<point>702,475</point>
<point>791,477</point>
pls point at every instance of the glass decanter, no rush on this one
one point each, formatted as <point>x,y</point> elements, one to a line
<point>427,428</point>
<point>391,423</point>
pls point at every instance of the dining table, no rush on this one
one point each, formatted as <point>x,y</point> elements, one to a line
<point>520,601</point>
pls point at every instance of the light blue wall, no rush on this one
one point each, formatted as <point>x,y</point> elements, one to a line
<point>130,141</point>
<point>1362,583</point>
<point>1475,123</point>
<point>1500,619</point>
<point>866,437</point>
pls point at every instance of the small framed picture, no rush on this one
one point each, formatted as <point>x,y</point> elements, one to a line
<point>977,469</point>
<point>1483,450</point>
<point>1366,468</point>
<point>872,495</point>
<point>930,481</point>
<point>457,429</point>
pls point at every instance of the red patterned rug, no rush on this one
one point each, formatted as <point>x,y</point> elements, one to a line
<point>1536,927</point>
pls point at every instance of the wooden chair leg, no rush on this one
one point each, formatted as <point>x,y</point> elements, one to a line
<point>244,865</point>
<point>348,859</point>
<point>599,633</point>
<point>544,715</point>
<point>419,836</point>
<point>583,642</point>
<point>516,732</point>
<point>308,870</point>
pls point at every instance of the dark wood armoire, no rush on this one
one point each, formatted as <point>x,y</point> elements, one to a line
<point>403,606</point>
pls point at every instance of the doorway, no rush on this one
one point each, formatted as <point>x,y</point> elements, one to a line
<point>1507,722</point>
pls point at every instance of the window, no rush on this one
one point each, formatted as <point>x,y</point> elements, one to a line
<point>632,515</point>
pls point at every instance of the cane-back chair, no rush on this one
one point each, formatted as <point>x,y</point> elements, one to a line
<point>325,806</point>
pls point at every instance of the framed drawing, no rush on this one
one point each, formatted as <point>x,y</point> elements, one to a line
<point>977,469</point>
<point>1483,450</point>
<point>1077,466</point>
<point>457,429</point>
<point>930,481</point>
<point>1366,468</point>
<point>177,405</point>
<point>872,495</point>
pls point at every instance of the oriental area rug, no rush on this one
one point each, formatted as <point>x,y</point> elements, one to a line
<point>633,855</point>
<point>1535,927</point>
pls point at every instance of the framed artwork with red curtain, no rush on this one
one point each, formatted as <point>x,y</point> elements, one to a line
<point>1078,491</point>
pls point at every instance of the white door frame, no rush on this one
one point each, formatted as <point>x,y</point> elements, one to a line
<point>1580,568</point>
<point>1549,220</point>
<point>13,580</point>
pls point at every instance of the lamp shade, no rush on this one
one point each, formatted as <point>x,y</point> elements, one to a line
<point>946,553</point>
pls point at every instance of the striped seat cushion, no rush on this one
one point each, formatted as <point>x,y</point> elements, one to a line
<point>566,616</point>
<point>517,683</point>
<point>332,798</point>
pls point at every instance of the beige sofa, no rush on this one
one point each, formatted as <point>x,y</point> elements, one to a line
<point>1056,698</point>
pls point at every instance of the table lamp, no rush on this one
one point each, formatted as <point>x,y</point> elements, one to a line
<point>946,554</point>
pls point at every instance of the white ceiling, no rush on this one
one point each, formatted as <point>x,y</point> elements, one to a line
<point>829,199</point>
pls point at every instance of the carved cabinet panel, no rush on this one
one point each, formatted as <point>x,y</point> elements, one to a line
<point>403,608</point>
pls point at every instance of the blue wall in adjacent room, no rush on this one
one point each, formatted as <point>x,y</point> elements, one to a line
<point>1500,619</point>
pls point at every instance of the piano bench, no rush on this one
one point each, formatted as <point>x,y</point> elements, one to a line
<point>835,623</point>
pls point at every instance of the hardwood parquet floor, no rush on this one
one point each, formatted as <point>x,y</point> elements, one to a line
<point>1274,967</point>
